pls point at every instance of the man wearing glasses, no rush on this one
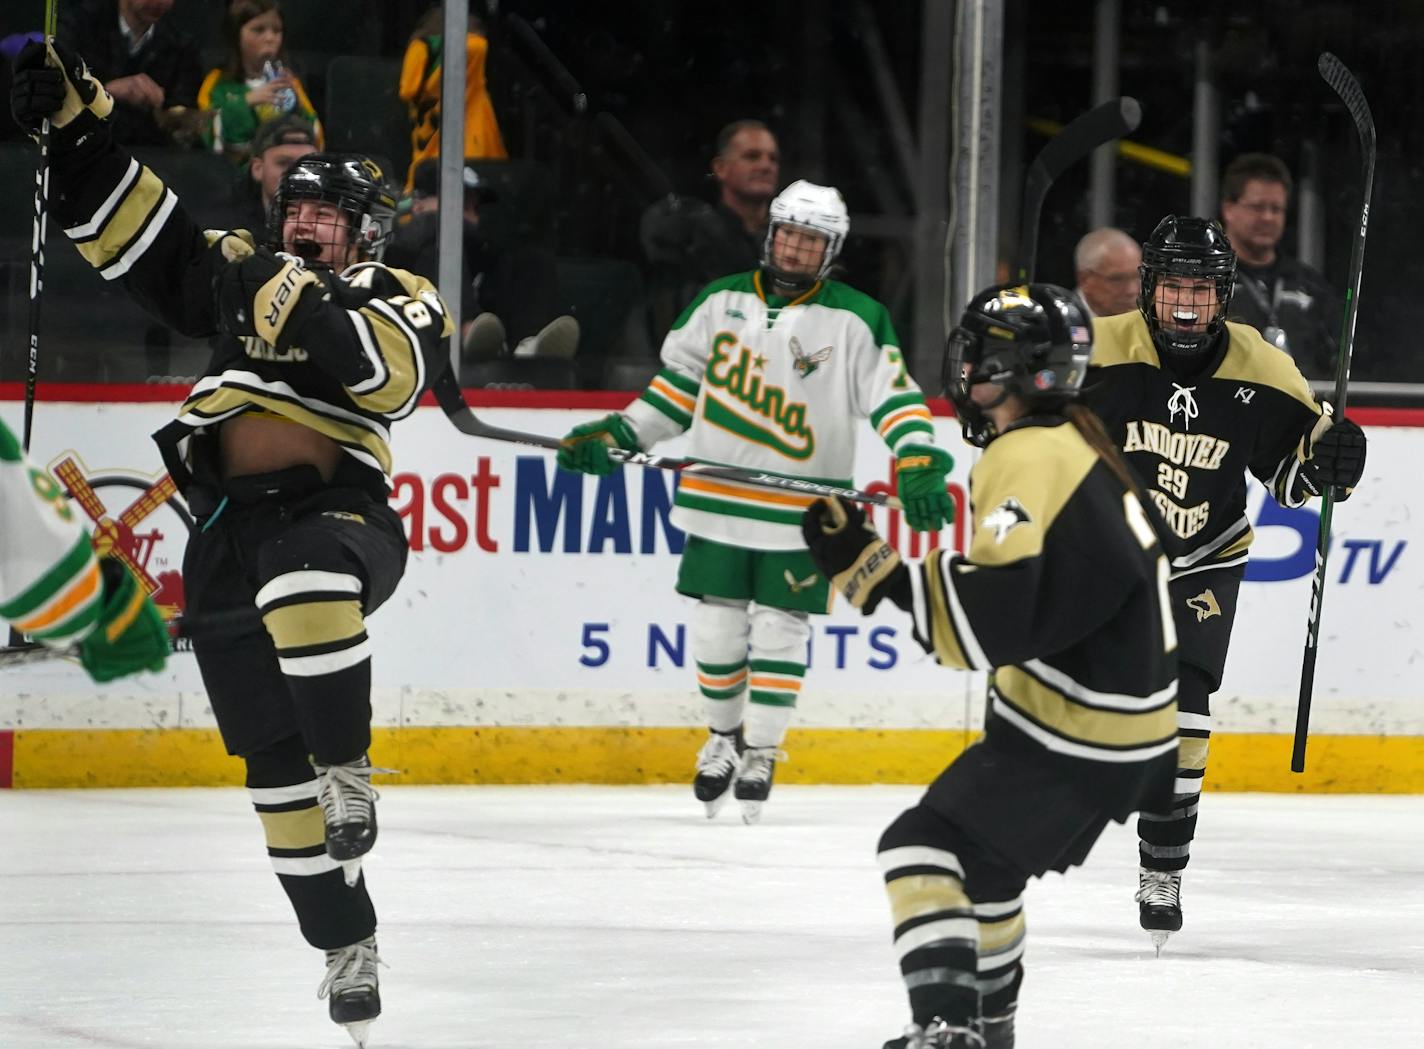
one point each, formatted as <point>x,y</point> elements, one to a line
<point>1106,261</point>
<point>1288,302</point>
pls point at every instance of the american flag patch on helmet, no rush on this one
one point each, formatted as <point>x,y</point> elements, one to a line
<point>1078,333</point>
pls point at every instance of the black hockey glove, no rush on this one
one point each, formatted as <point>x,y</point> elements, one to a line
<point>845,546</point>
<point>1332,456</point>
<point>267,294</point>
<point>52,81</point>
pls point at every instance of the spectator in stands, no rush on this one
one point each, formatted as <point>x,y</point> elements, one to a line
<point>277,145</point>
<point>420,84</point>
<point>508,287</point>
<point>1285,300</point>
<point>152,69</point>
<point>689,243</point>
<point>255,84</point>
<point>1106,262</point>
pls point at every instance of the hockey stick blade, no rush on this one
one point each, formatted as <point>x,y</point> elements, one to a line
<point>1098,126</point>
<point>452,402</point>
<point>1344,84</point>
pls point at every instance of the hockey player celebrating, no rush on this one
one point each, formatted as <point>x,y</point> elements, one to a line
<point>55,590</point>
<point>282,452</point>
<point>1195,401</point>
<point>770,369</point>
<point>1062,597</point>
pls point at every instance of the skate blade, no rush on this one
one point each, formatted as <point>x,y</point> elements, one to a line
<point>1159,940</point>
<point>751,812</point>
<point>351,871</point>
<point>715,805</point>
<point>360,1032</point>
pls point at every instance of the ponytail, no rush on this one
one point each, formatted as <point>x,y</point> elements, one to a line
<point>1087,423</point>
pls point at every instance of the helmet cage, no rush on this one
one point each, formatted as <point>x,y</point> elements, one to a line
<point>814,209</point>
<point>1191,249</point>
<point>354,184</point>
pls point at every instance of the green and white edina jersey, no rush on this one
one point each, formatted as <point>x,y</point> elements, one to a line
<point>49,578</point>
<point>776,385</point>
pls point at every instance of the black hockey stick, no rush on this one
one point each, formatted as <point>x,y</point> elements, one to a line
<point>448,395</point>
<point>37,245</point>
<point>1344,84</point>
<point>180,639</point>
<point>1098,126</point>
<point>37,242</point>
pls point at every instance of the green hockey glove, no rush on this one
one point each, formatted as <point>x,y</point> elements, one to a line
<point>846,547</point>
<point>585,448</point>
<point>920,474</point>
<point>51,81</point>
<point>130,635</point>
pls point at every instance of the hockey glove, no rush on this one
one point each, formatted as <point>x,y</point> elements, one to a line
<point>920,474</point>
<point>266,294</point>
<point>1332,456</point>
<point>585,448</point>
<point>51,81</point>
<point>130,635</point>
<point>846,547</point>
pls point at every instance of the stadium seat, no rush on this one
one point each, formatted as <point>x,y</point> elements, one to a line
<point>364,113</point>
<point>599,293</point>
<point>520,373</point>
<point>629,373</point>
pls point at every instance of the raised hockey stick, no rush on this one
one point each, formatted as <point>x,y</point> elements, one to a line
<point>448,395</point>
<point>1099,125</point>
<point>37,242</point>
<point>1344,84</point>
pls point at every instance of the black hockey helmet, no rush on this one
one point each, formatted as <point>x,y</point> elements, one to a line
<point>1186,247</point>
<point>353,182</point>
<point>1033,340</point>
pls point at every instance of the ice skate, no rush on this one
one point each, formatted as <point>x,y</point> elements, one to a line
<point>353,988</point>
<point>938,1035</point>
<point>348,808</point>
<point>753,784</point>
<point>1159,898</point>
<point>717,765</point>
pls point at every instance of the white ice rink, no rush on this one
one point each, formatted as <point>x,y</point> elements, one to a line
<point>618,917</point>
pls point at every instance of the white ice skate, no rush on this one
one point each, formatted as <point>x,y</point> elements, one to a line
<point>717,764</point>
<point>753,785</point>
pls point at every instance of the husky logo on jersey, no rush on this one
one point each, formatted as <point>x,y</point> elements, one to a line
<point>1204,605</point>
<point>1004,518</point>
<point>806,363</point>
<point>774,421</point>
<point>798,585</point>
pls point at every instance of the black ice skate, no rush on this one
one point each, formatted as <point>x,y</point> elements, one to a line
<point>753,785</point>
<point>938,1035</point>
<point>998,1031</point>
<point>353,988</point>
<point>348,808</point>
<point>1159,898</point>
<point>717,765</point>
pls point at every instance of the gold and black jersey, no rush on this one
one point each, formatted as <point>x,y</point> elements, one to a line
<point>1191,441</point>
<point>1063,597</point>
<point>366,355</point>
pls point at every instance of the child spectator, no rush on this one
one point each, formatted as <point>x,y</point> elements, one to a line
<point>255,85</point>
<point>420,84</point>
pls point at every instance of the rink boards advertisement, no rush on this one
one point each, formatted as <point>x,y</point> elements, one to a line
<point>537,637</point>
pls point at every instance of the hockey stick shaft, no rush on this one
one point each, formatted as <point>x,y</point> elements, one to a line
<point>1344,84</point>
<point>452,401</point>
<point>180,638</point>
<point>1098,126</point>
<point>37,246</point>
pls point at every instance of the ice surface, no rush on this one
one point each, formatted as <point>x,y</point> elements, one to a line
<point>620,917</point>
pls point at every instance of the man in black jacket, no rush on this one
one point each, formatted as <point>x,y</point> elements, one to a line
<point>1288,302</point>
<point>146,64</point>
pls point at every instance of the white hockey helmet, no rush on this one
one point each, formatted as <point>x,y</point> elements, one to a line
<point>819,209</point>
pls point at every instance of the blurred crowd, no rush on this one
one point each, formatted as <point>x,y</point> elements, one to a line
<point>579,248</point>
